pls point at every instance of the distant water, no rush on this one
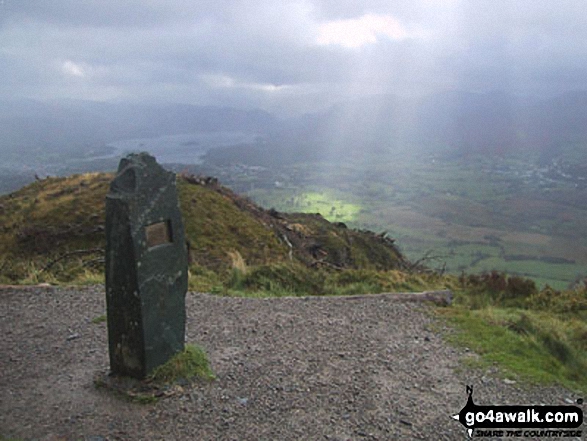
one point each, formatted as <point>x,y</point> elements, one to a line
<point>181,149</point>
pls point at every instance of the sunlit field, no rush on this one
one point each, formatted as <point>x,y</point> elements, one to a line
<point>471,215</point>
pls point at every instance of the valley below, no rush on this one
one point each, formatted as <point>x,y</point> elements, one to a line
<point>515,213</point>
<point>473,213</point>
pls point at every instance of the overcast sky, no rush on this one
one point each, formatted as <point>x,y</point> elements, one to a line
<point>287,56</point>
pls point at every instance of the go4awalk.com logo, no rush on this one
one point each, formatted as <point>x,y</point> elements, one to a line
<point>520,421</point>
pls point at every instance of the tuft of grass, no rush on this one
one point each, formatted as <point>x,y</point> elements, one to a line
<point>99,319</point>
<point>35,275</point>
<point>202,279</point>
<point>237,261</point>
<point>238,271</point>
<point>144,399</point>
<point>89,277</point>
<point>189,364</point>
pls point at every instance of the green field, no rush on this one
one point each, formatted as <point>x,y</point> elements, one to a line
<point>331,206</point>
<point>471,214</point>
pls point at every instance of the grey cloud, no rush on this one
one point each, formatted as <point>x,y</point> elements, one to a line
<point>106,13</point>
<point>150,49</point>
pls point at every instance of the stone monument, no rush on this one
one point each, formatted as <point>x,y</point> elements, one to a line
<point>146,267</point>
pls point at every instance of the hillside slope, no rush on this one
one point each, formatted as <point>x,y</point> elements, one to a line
<point>56,226</point>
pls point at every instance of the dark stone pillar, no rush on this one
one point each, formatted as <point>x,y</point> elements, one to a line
<point>146,267</point>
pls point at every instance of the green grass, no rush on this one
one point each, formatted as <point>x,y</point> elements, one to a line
<point>202,279</point>
<point>192,363</point>
<point>215,226</point>
<point>535,335</point>
<point>99,319</point>
<point>328,203</point>
<point>89,277</point>
<point>292,279</point>
<point>537,347</point>
<point>558,274</point>
<point>325,203</point>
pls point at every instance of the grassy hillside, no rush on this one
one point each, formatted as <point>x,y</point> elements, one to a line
<point>54,230</point>
<point>55,220</point>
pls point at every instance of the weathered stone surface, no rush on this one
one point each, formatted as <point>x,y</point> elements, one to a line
<point>146,267</point>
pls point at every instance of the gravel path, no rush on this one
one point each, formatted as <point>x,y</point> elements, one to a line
<point>288,369</point>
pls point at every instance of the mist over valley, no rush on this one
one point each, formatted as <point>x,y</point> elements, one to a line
<point>465,181</point>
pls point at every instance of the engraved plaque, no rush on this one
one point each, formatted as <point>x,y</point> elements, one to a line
<point>158,234</point>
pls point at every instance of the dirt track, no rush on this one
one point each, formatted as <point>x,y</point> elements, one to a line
<point>288,369</point>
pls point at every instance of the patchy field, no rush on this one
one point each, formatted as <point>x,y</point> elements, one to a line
<point>475,214</point>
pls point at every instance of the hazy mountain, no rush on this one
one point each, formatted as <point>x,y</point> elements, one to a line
<point>81,125</point>
<point>458,121</point>
<point>470,121</point>
<point>559,121</point>
<point>461,121</point>
<point>498,122</point>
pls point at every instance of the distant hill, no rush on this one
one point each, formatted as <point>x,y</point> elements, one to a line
<point>78,126</point>
<point>498,122</point>
<point>450,122</point>
<point>460,120</point>
<point>57,225</point>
